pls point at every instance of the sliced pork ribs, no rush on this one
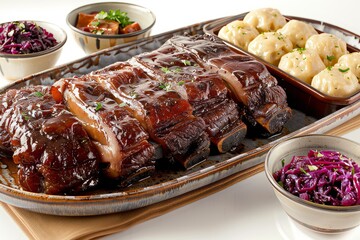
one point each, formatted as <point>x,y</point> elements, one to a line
<point>165,115</point>
<point>206,92</point>
<point>251,84</point>
<point>119,138</point>
<point>50,146</point>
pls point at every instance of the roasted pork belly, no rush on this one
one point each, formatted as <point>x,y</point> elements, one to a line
<point>250,82</point>
<point>119,138</point>
<point>52,149</point>
<point>166,116</point>
<point>206,92</point>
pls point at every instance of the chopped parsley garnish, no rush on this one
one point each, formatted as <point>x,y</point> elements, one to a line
<point>301,50</point>
<point>283,162</point>
<point>165,70</point>
<point>98,106</point>
<point>38,94</point>
<point>133,94</point>
<point>165,86</point>
<point>123,104</point>
<point>95,23</point>
<point>186,62</point>
<point>344,70</point>
<point>115,15</point>
<point>25,116</point>
<point>329,68</point>
<point>330,58</point>
<point>181,83</point>
<point>177,70</point>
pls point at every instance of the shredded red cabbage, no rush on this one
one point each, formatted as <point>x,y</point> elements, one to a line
<point>21,37</point>
<point>324,177</point>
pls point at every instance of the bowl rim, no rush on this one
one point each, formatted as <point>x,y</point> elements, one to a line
<point>279,189</point>
<point>41,53</point>
<point>115,36</point>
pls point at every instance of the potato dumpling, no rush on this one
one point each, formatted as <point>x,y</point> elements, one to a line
<point>265,19</point>
<point>298,32</point>
<point>328,46</point>
<point>270,46</point>
<point>336,82</point>
<point>351,61</point>
<point>238,33</point>
<point>302,63</point>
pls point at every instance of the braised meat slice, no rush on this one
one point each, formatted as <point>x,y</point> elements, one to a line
<point>206,92</point>
<point>52,149</point>
<point>250,82</point>
<point>119,138</point>
<point>165,115</point>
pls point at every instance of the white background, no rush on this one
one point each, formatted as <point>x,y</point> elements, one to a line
<point>247,210</point>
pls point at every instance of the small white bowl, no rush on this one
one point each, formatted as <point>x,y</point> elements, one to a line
<point>322,218</point>
<point>90,42</point>
<point>16,66</point>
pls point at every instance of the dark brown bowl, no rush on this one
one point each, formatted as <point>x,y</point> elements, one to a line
<point>301,95</point>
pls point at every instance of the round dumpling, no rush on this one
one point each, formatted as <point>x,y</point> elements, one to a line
<point>238,33</point>
<point>265,19</point>
<point>270,46</point>
<point>329,47</point>
<point>302,63</point>
<point>336,82</point>
<point>351,61</point>
<point>298,32</point>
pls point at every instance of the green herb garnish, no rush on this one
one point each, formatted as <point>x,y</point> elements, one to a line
<point>123,104</point>
<point>165,70</point>
<point>38,94</point>
<point>115,15</point>
<point>283,162</point>
<point>344,70</point>
<point>133,94</point>
<point>25,116</point>
<point>281,184</point>
<point>165,86</point>
<point>181,83</point>
<point>186,62</point>
<point>330,58</point>
<point>98,106</point>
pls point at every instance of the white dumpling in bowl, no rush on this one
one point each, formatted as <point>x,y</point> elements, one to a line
<point>298,32</point>
<point>351,61</point>
<point>302,63</point>
<point>238,33</point>
<point>265,19</point>
<point>328,46</point>
<point>270,46</point>
<point>336,82</point>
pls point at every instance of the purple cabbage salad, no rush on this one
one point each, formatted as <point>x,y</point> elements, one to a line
<point>325,177</point>
<point>23,37</point>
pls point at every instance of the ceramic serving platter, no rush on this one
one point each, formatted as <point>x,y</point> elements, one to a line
<point>166,183</point>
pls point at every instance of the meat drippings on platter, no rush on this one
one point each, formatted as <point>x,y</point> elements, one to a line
<point>175,105</point>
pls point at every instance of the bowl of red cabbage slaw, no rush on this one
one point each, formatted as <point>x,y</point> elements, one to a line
<point>28,47</point>
<point>317,181</point>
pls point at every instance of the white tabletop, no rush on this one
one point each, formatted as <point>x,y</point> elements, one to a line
<point>247,210</point>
